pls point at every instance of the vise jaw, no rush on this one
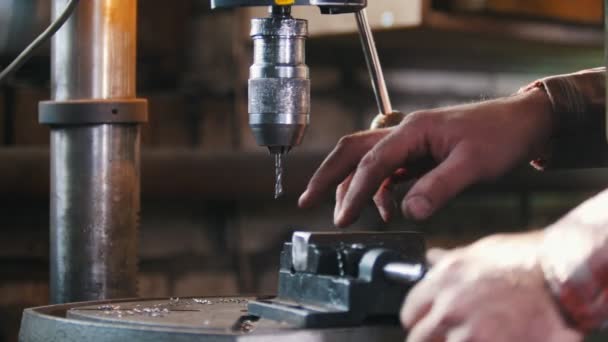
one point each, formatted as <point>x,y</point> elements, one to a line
<point>329,279</point>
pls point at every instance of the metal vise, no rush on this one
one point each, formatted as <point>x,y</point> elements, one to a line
<point>329,279</point>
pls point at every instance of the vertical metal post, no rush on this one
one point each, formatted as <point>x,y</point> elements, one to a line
<point>95,152</point>
<point>387,117</point>
<point>373,63</point>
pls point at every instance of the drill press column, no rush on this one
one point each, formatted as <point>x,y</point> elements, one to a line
<point>95,136</point>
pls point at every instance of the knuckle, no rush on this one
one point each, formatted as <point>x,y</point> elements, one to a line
<point>492,241</point>
<point>449,266</point>
<point>419,118</point>
<point>369,160</point>
<point>345,141</point>
<point>437,183</point>
<point>372,162</point>
<point>449,318</point>
<point>414,117</point>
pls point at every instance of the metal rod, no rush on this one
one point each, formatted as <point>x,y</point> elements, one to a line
<point>95,178</point>
<point>373,63</point>
<point>404,273</point>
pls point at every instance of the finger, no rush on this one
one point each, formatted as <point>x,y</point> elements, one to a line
<point>433,189</point>
<point>377,164</point>
<point>339,163</point>
<point>462,333</point>
<point>431,328</point>
<point>409,317</point>
<point>418,302</point>
<point>434,255</point>
<point>446,313</point>
<point>340,192</point>
<point>383,198</point>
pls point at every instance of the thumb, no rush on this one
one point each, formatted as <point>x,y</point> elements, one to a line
<point>439,185</point>
<point>434,255</point>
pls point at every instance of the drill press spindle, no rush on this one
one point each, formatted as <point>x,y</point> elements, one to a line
<point>279,85</point>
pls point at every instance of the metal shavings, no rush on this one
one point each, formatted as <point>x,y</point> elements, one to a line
<point>154,311</point>
<point>232,300</point>
<point>202,301</point>
<point>108,307</point>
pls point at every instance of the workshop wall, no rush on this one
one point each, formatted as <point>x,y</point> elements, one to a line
<point>193,71</point>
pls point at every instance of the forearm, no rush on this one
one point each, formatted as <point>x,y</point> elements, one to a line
<point>574,258</point>
<point>578,101</point>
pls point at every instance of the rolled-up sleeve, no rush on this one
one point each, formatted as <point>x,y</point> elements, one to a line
<point>579,106</point>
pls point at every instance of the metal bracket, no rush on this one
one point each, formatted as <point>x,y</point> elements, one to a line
<point>82,112</point>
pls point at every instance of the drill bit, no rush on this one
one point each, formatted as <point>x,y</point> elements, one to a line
<point>278,170</point>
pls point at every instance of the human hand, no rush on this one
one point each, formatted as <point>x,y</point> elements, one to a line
<point>469,143</point>
<point>493,290</point>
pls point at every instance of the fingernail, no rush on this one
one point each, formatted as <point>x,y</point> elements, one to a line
<point>418,207</point>
<point>303,198</point>
<point>339,218</point>
<point>336,213</point>
<point>384,214</point>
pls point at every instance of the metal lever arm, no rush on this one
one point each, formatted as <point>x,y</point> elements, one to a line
<point>373,63</point>
<point>387,116</point>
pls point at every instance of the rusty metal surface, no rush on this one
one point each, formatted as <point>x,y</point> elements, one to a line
<point>187,319</point>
